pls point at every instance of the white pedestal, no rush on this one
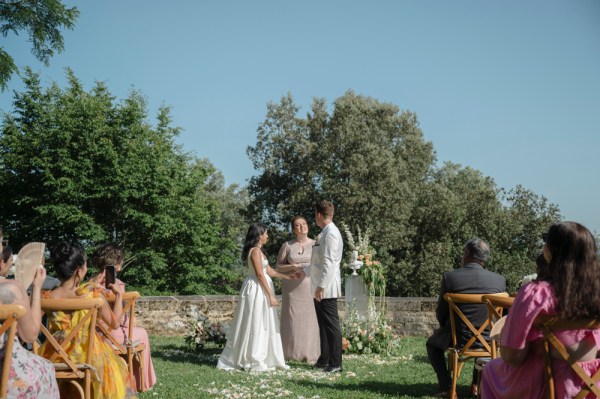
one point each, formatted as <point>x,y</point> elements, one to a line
<point>356,296</point>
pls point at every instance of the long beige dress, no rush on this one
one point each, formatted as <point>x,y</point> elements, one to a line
<point>299,326</point>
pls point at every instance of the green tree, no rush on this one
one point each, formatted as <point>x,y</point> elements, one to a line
<point>371,159</point>
<point>367,157</point>
<point>42,20</point>
<point>81,167</point>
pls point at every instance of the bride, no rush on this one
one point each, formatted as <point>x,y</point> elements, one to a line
<point>253,341</point>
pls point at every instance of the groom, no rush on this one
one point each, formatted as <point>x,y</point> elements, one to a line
<point>325,283</point>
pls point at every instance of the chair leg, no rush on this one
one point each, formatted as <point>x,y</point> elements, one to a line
<point>88,384</point>
<point>140,359</point>
<point>455,375</point>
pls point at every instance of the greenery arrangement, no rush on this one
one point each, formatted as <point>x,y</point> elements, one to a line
<point>203,331</point>
<point>372,271</point>
<point>367,335</point>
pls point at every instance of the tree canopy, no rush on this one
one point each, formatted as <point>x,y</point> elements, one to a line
<point>76,165</point>
<point>42,20</point>
<point>371,160</point>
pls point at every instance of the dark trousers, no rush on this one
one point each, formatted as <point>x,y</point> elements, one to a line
<point>436,351</point>
<point>329,332</point>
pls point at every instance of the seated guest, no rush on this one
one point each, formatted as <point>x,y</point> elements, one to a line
<point>70,267</point>
<point>471,278</point>
<point>572,291</point>
<point>7,258</point>
<point>111,254</point>
<point>30,376</point>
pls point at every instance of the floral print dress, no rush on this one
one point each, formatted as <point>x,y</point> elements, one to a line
<point>113,382</point>
<point>30,376</point>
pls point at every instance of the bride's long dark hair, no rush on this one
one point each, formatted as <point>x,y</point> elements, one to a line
<point>255,230</point>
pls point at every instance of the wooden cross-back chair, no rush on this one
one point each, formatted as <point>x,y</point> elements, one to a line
<point>496,306</point>
<point>459,355</point>
<point>129,349</point>
<point>67,368</point>
<point>9,314</point>
<point>549,324</point>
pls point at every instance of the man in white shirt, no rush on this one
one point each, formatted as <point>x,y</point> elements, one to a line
<point>326,286</point>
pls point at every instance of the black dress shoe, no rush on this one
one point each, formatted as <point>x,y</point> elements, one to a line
<point>334,369</point>
<point>320,365</point>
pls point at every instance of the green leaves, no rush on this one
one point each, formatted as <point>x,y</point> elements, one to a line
<point>42,20</point>
<point>371,159</point>
<point>81,167</point>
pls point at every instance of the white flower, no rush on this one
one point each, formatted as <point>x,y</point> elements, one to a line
<point>528,279</point>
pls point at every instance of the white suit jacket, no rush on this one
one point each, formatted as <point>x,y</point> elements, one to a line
<point>325,263</point>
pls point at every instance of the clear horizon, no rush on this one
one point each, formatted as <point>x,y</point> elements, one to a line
<point>511,89</point>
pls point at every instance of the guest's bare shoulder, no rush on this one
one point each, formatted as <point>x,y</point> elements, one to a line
<point>10,291</point>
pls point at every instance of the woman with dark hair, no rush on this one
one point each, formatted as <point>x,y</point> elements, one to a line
<point>112,254</point>
<point>569,289</point>
<point>299,326</point>
<point>253,340</point>
<point>114,380</point>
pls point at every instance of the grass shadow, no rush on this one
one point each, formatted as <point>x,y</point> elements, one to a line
<point>182,354</point>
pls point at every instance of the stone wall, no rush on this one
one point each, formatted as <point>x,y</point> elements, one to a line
<point>170,315</point>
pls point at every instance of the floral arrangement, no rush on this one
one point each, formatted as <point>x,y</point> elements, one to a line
<point>204,330</point>
<point>372,335</point>
<point>372,270</point>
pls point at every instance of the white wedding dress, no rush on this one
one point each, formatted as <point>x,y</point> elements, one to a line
<point>253,341</point>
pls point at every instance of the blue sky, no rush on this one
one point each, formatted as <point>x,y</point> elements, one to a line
<point>510,88</point>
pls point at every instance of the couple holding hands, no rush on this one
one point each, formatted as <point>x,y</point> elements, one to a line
<point>310,326</point>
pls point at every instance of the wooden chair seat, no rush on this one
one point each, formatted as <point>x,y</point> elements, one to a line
<point>9,314</point>
<point>67,368</point>
<point>459,355</point>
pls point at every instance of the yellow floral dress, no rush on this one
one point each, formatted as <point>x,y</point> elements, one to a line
<point>114,381</point>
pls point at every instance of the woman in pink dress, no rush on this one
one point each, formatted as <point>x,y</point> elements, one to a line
<point>111,254</point>
<point>299,326</point>
<point>571,290</point>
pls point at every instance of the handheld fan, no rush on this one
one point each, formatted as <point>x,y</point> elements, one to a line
<point>497,329</point>
<point>29,259</point>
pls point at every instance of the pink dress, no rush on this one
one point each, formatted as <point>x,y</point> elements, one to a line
<point>499,380</point>
<point>141,335</point>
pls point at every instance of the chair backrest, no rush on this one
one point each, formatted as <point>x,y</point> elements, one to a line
<point>9,314</point>
<point>55,350</point>
<point>468,349</point>
<point>549,324</point>
<point>129,299</point>
<point>496,305</point>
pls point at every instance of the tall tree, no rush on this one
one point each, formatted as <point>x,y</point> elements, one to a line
<point>371,159</point>
<point>81,167</point>
<point>42,20</point>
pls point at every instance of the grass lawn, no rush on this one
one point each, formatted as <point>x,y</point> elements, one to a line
<point>183,374</point>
